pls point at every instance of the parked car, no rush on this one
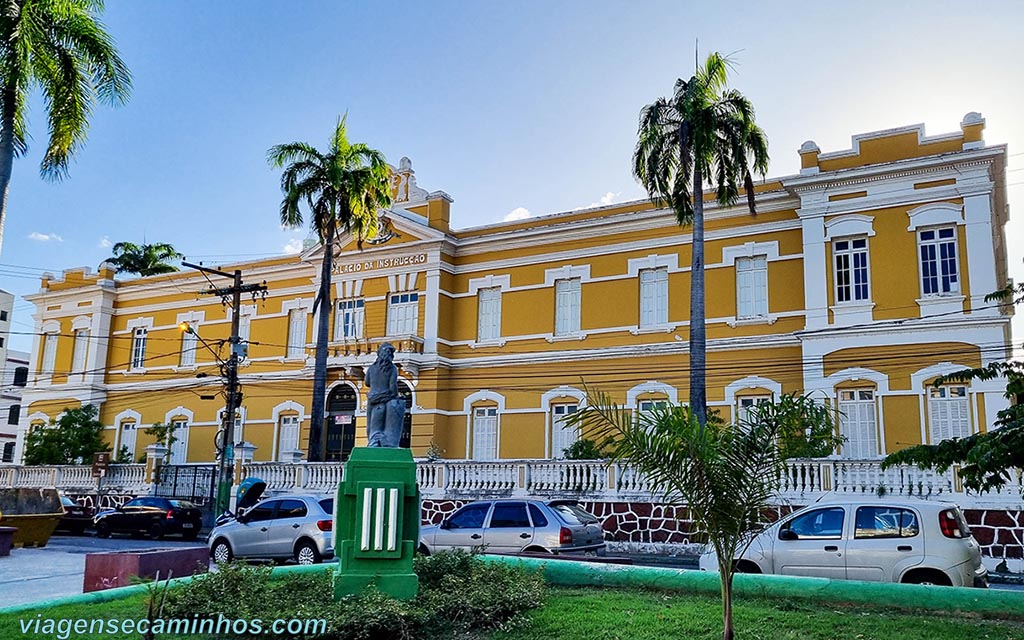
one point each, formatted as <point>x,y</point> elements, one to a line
<point>517,526</point>
<point>913,541</point>
<point>298,526</point>
<point>151,516</point>
<point>76,517</point>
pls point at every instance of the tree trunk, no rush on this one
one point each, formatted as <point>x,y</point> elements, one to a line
<point>8,103</point>
<point>316,418</point>
<point>727,630</point>
<point>698,330</point>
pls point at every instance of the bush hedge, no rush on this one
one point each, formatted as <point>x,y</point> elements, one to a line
<point>458,593</point>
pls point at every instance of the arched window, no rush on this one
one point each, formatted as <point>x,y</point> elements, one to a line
<point>485,432</point>
<point>949,412</point>
<point>563,434</point>
<point>127,431</point>
<point>288,435</point>
<point>179,440</point>
<point>858,422</point>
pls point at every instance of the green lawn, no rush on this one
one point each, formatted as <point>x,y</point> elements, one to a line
<point>597,614</point>
<point>605,614</point>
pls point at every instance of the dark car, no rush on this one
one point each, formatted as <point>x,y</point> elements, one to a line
<point>153,517</point>
<point>76,517</point>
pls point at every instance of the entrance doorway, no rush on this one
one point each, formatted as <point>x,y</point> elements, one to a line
<point>340,426</point>
<point>405,392</point>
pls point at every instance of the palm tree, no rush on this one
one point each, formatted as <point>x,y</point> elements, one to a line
<point>704,131</point>
<point>144,259</point>
<point>726,476</point>
<point>61,49</point>
<point>343,190</point>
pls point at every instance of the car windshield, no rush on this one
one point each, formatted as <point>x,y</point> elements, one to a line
<point>182,504</point>
<point>573,514</point>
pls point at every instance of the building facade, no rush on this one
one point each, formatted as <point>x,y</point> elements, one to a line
<point>12,378</point>
<point>860,280</point>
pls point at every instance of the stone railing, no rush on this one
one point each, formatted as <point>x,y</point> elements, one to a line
<point>320,477</point>
<point>594,480</point>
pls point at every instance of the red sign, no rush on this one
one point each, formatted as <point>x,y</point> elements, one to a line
<point>343,419</point>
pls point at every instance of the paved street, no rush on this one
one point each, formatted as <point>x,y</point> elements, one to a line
<point>58,569</point>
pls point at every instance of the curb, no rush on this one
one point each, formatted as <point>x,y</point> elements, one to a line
<point>988,602</point>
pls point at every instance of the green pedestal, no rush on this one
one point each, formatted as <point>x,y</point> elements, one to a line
<point>377,523</point>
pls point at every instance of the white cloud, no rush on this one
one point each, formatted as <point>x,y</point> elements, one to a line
<point>519,213</point>
<point>105,243</point>
<point>293,247</point>
<point>606,199</point>
<point>45,237</point>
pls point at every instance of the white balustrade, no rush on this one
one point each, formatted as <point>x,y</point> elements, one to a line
<point>801,482</point>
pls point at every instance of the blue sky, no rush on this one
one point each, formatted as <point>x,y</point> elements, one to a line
<point>504,105</point>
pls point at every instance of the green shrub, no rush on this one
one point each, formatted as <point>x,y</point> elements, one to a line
<point>459,593</point>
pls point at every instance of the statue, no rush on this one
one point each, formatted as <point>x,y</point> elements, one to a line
<point>385,409</point>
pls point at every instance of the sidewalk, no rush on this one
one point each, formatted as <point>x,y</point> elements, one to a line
<point>32,575</point>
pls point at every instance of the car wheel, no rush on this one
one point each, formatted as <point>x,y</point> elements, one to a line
<point>423,550</point>
<point>155,531</point>
<point>102,530</point>
<point>745,566</point>
<point>221,551</point>
<point>306,553</point>
<point>927,577</point>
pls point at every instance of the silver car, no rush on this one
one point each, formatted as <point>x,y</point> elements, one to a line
<point>879,540</point>
<point>299,527</point>
<point>517,526</point>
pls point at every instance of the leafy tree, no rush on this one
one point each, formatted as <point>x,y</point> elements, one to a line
<point>586,449</point>
<point>145,259</point>
<point>343,188</point>
<point>987,460</point>
<point>703,132</point>
<point>61,49</point>
<point>164,434</point>
<point>806,428</point>
<point>70,439</point>
<point>725,475</point>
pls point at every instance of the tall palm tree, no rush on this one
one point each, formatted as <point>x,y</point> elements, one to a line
<point>145,259</point>
<point>343,190</point>
<point>704,131</point>
<point>60,48</point>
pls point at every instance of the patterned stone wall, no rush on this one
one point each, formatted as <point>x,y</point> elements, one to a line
<point>643,527</point>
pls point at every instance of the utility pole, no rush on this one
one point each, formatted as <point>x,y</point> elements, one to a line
<point>229,369</point>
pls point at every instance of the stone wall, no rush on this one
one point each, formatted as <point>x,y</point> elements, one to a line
<point>644,527</point>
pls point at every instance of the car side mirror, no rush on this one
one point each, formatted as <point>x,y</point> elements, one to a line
<point>242,518</point>
<point>788,534</point>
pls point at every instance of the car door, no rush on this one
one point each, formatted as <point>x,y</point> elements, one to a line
<point>124,519</point>
<point>812,544</point>
<point>465,529</point>
<point>249,537</point>
<point>285,527</point>
<point>509,529</point>
<point>886,541</point>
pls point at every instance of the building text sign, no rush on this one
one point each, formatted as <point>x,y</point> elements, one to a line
<point>382,263</point>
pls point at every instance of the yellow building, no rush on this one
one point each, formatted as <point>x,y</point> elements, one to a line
<point>861,279</point>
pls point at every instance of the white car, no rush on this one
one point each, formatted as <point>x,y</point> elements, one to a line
<point>881,540</point>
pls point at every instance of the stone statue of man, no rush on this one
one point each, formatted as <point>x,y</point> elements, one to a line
<point>385,409</point>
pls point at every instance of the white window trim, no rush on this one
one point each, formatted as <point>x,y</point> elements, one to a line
<point>651,387</point>
<point>484,395</point>
<point>660,290</point>
<point>940,303</point>
<point>576,323</point>
<point>78,369</point>
<point>137,323</point>
<point>851,311</point>
<point>415,305</point>
<point>300,348</point>
<point>558,395</point>
<point>750,382</point>
<point>128,415</point>
<point>496,326</point>
<point>288,405</point>
<point>755,317</point>
<point>770,250</point>
<point>856,374</point>
<point>935,214</point>
<point>359,315</point>
<point>968,400</point>
<point>879,432</point>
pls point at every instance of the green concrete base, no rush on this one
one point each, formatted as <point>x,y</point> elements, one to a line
<point>401,586</point>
